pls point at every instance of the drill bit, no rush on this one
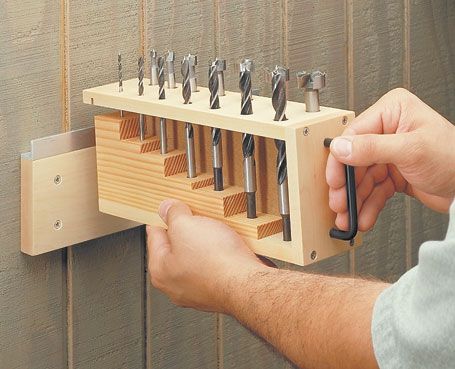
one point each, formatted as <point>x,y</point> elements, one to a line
<point>153,68</point>
<point>311,82</point>
<point>120,77</point>
<point>249,165</point>
<point>189,132</point>
<point>193,78</point>
<point>279,100</point>
<point>217,157</point>
<point>140,76</point>
<point>246,67</point>
<point>220,69</point>
<point>162,96</point>
<point>170,59</point>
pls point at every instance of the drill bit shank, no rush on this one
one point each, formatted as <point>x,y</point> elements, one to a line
<point>170,60</point>
<point>216,132</point>
<point>120,77</point>
<point>249,174</point>
<point>140,75</point>
<point>153,68</point>
<point>311,82</point>
<point>221,67</point>
<point>162,96</point>
<point>279,100</point>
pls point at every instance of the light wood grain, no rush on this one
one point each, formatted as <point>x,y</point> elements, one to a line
<point>73,203</point>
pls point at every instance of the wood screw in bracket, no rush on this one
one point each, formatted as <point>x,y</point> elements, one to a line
<point>306,131</point>
<point>58,224</point>
<point>344,121</point>
<point>313,255</point>
<point>58,179</point>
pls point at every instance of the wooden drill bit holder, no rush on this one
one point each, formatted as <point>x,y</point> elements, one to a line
<point>133,177</point>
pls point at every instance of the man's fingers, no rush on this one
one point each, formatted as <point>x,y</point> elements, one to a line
<point>370,149</point>
<point>171,209</point>
<point>158,246</point>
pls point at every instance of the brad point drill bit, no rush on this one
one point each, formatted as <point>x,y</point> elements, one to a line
<point>120,77</point>
<point>162,96</point>
<point>189,132</point>
<point>140,76</point>
<point>221,67</point>
<point>170,60</point>
<point>193,78</point>
<point>249,165</point>
<point>311,82</point>
<point>217,156</point>
<point>153,68</point>
<point>279,100</point>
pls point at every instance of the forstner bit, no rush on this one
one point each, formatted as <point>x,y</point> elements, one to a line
<point>280,76</point>
<point>162,96</point>
<point>170,61</point>
<point>140,76</point>
<point>217,155</point>
<point>192,59</point>
<point>311,82</point>
<point>120,77</point>
<point>221,68</point>
<point>153,68</point>
<point>249,165</point>
<point>189,132</point>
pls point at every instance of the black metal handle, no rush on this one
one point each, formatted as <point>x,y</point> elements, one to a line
<point>352,204</point>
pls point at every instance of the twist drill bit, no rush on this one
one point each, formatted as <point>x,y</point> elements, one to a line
<point>279,100</point>
<point>216,132</point>
<point>162,96</point>
<point>220,69</point>
<point>189,132</point>
<point>170,59</point>
<point>140,76</point>
<point>120,77</point>
<point>311,82</point>
<point>153,68</point>
<point>249,165</point>
<point>246,67</point>
<point>193,78</point>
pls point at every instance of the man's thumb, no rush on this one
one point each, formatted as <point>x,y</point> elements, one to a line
<point>369,149</point>
<point>171,209</point>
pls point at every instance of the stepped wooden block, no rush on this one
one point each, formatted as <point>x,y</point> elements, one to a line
<point>130,173</point>
<point>133,177</point>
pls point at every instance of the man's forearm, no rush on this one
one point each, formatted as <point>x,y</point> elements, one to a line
<point>316,321</point>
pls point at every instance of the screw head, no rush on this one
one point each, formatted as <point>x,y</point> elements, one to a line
<point>313,255</point>
<point>344,121</point>
<point>58,224</point>
<point>58,179</point>
<point>306,131</point>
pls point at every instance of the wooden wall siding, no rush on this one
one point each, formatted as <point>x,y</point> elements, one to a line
<point>92,306</point>
<point>176,336</point>
<point>32,302</point>
<point>106,276</point>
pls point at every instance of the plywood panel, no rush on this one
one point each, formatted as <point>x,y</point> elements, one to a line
<point>105,275</point>
<point>378,52</point>
<point>32,299</point>
<point>179,336</point>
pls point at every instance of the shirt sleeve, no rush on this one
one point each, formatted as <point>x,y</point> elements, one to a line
<point>413,323</point>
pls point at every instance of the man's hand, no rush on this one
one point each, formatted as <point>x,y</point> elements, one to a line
<point>195,260</point>
<point>398,145</point>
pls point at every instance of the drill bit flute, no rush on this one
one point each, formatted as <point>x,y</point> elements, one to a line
<point>120,77</point>
<point>217,156</point>
<point>140,75</point>
<point>193,79</point>
<point>162,96</point>
<point>249,166</point>
<point>170,59</point>
<point>279,78</point>
<point>221,67</point>
<point>189,132</point>
<point>153,68</point>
